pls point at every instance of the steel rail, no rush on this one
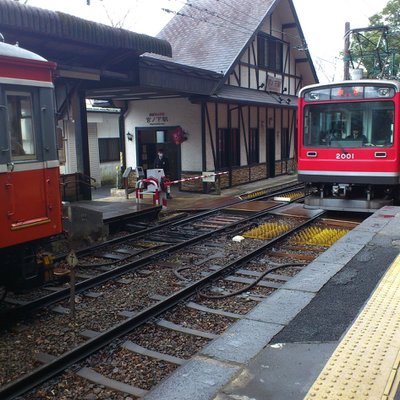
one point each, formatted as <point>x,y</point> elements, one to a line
<point>55,367</point>
<point>192,218</point>
<point>13,314</point>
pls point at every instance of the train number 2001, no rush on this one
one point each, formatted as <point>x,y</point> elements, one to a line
<point>344,156</point>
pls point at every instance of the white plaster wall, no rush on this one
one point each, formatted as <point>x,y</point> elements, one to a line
<point>107,124</point>
<point>101,125</point>
<point>180,112</point>
<point>70,152</point>
<point>233,80</point>
<point>245,76</point>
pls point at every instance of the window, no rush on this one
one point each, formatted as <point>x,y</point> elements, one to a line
<point>270,53</point>
<point>109,149</point>
<point>21,125</point>
<point>254,146</point>
<point>228,147</point>
<point>341,125</point>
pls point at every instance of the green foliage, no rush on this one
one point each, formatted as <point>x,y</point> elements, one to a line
<point>378,51</point>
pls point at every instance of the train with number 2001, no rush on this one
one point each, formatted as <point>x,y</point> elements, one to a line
<point>30,203</point>
<point>348,144</point>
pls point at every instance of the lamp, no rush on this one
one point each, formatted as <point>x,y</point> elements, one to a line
<point>129,136</point>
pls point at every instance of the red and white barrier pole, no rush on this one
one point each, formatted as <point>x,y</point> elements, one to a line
<point>139,191</point>
<point>193,178</point>
<point>160,196</point>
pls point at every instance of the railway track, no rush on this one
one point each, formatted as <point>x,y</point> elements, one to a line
<point>108,260</point>
<point>217,267</point>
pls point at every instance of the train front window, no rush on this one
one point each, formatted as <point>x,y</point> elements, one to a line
<point>20,125</point>
<point>338,125</point>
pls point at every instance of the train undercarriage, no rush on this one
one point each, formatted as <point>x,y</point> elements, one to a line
<point>25,266</point>
<point>350,197</point>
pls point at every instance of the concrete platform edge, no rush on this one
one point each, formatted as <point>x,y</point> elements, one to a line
<point>275,313</point>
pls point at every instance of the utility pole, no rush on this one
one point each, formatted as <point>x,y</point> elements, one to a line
<point>346,72</point>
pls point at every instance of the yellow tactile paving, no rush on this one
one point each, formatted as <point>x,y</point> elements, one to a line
<point>365,365</point>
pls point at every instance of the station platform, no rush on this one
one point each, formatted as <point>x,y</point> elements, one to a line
<point>332,332</point>
<point>92,221</point>
<point>194,201</point>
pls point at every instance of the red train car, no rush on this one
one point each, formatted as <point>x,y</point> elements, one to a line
<point>30,204</point>
<point>349,143</point>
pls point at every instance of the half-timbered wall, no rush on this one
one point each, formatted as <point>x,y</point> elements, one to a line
<point>204,123</point>
<point>262,136</point>
<point>247,118</point>
<point>248,74</point>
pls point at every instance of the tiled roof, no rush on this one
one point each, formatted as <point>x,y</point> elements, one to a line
<point>251,96</point>
<point>210,34</point>
<point>57,25</point>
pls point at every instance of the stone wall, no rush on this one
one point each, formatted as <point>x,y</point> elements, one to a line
<point>258,172</point>
<point>284,167</point>
<point>191,186</point>
<point>240,175</point>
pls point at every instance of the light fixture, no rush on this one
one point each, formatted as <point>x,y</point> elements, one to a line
<point>129,136</point>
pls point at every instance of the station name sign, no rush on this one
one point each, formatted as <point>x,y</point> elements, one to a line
<point>158,118</point>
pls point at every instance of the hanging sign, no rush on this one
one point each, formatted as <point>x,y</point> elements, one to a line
<point>274,84</point>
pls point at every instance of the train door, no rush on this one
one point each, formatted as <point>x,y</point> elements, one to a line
<point>149,141</point>
<point>26,178</point>
<point>271,152</point>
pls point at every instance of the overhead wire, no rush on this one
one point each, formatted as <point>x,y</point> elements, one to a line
<point>225,19</point>
<point>180,14</point>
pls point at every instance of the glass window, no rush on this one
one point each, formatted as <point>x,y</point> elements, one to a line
<point>378,91</point>
<point>339,125</point>
<point>318,95</point>
<point>21,125</point>
<point>160,136</point>
<point>348,92</point>
<point>109,149</point>
<point>270,53</point>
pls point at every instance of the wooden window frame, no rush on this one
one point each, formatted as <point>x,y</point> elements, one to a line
<point>270,53</point>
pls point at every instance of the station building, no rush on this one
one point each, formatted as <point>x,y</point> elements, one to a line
<point>227,99</point>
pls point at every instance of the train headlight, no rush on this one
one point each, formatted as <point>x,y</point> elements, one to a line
<point>383,92</point>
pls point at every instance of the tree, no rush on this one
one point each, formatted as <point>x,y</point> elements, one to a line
<point>376,49</point>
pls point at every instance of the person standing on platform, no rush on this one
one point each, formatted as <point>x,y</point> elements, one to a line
<point>161,162</point>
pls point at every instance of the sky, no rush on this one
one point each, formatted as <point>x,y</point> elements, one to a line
<point>322,21</point>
